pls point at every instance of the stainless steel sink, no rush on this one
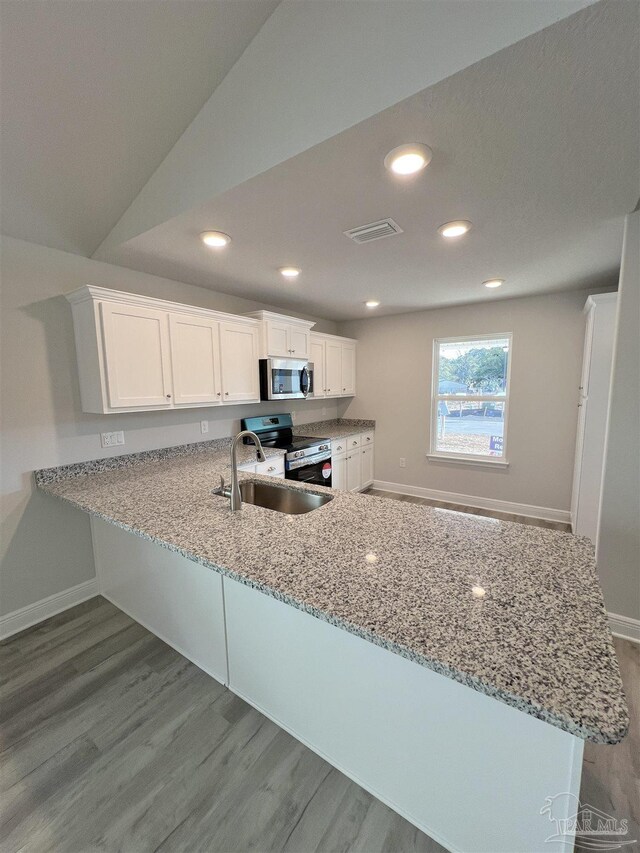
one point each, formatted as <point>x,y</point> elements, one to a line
<point>281,499</point>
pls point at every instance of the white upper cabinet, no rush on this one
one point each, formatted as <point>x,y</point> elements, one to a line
<point>136,353</point>
<point>277,337</point>
<point>136,356</point>
<point>316,358</point>
<point>240,374</point>
<point>334,364</point>
<point>282,336</point>
<point>348,369</point>
<point>195,360</point>
<point>333,368</point>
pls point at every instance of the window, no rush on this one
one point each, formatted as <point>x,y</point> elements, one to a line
<point>471,398</point>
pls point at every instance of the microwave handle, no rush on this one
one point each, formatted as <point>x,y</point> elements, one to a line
<point>304,381</point>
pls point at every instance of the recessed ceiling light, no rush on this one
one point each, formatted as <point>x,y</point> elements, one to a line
<point>215,239</point>
<point>454,229</point>
<point>289,272</point>
<point>372,303</point>
<point>408,159</point>
<point>493,282</point>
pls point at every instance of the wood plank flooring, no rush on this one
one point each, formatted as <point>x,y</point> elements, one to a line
<point>112,741</point>
<point>504,516</point>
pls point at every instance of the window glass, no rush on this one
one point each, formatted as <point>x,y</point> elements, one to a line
<point>471,399</point>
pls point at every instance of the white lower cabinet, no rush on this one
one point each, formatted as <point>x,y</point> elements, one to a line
<point>366,460</point>
<point>354,470</point>
<point>339,472</point>
<point>272,467</point>
<point>352,462</point>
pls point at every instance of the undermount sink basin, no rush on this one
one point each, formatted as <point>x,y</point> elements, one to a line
<point>281,499</point>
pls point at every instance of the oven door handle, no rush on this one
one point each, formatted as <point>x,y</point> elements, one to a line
<point>307,461</point>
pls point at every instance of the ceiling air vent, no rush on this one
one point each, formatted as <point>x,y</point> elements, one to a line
<point>373,231</point>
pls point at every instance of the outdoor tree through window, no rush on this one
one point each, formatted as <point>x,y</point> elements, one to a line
<point>471,397</point>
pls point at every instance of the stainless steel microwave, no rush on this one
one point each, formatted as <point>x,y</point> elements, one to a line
<point>284,379</point>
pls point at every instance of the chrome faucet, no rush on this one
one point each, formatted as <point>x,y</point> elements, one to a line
<point>236,497</point>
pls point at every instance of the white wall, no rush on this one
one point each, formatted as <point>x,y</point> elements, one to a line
<point>317,68</point>
<point>394,387</point>
<point>619,534</point>
<point>46,546</point>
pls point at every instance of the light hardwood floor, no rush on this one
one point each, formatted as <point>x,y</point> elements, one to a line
<point>112,741</point>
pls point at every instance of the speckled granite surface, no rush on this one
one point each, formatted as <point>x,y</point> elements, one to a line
<point>219,446</point>
<point>400,576</point>
<point>338,428</point>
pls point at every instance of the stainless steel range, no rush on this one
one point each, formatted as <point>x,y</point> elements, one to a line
<point>307,459</point>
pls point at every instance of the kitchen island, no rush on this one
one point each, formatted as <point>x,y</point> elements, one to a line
<point>450,664</point>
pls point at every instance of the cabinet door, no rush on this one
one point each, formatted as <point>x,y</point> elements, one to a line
<point>366,459</point>
<point>195,359</point>
<point>333,368</point>
<point>277,335</point>
<point>317,359</point>
<point>354,470</point>
<point>348,369</point>
<point>137,361</point>
<point>339,472</point>
<point>299,342</point>
<point>239,363</point>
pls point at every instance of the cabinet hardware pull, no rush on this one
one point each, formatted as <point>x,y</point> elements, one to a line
<point>272,468</point>
<point>218,393</point>
<point>168,396</point>
<point>226,393</point>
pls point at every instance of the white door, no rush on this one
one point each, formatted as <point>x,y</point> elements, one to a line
<point>239,360</point>
<point>348,369</point>
<point>354,469</point>
<point>277,339</point>
<point>195,359</point>
<point>339,472</point>
<point>137,362</point>
<point>366,461</point>
<point>317,359</point>
<point>299,342</point>
<point>333,368</point>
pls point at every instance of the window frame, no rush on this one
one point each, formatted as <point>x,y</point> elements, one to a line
<point>468,458</point>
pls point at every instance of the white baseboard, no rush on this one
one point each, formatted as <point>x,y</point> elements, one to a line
<point>625,627</point>
<point>542,512</point>
<point>30,615</point>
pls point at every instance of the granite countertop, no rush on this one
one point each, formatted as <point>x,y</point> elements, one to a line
<point>338,428</point>
<point>394,573</point>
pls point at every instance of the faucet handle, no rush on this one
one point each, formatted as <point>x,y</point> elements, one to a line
<point>219,490</point>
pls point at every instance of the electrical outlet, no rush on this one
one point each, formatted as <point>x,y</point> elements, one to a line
<point>403,462</point>
<point>112,439</point>
<point>204,427</point>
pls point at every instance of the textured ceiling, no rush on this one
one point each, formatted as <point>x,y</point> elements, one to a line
<point>95,94</point>
<point>537,145</point>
